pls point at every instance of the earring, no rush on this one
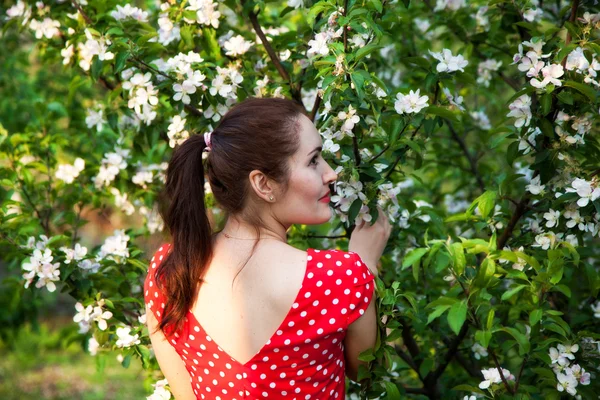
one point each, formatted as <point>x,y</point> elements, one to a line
<point>271,198</point>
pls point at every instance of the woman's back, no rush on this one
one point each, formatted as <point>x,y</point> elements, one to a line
<point>280,332</point>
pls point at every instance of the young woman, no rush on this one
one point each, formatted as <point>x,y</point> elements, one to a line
<point>241,314</point>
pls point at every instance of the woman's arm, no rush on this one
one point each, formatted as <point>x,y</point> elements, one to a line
<point>169,361</point>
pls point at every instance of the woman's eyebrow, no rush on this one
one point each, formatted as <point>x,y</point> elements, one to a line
<point>320,148</point>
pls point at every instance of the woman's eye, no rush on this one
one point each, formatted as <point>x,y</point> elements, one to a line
<point>313,160</point>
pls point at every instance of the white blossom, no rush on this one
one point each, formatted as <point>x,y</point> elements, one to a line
<point>485,69</point>
<point>75,254</point>
<point>349,119</point>
<point>237,46</point>
<point>93,346</point>
<point>587,191</point>
<point>410,103</point>
<point>125,339</point>
<point>450,4</point>
<point>521,110</point>
<point>67,172</point>
<point>551,73</point>
<point>545,240</point>
<point>115,245</point>
<point>295,4</point>
<point>122,13</point>
<point>91,48</point>
<point>122,202</point>
<point>206,13</point>
<point>95,118</point>
<point>566,383</point>
<point>596,309</point>
<point>448,62</point>
<point>100,316</point>
<point>535,187</point>
<point>551,218</point>
<point>47,28</point>
<point>479,351</point>
<point>533,14</point>
<point>160,391</point>
<point>176,131</point>
<point>492,376</point>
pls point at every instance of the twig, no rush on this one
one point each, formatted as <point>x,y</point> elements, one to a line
<point>315,108</point>
<point>274,58</point>
<point>83,14</point>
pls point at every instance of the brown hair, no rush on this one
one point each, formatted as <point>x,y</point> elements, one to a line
<point>258,133</point>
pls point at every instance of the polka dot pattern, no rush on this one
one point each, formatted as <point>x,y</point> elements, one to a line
<point>303,359</point>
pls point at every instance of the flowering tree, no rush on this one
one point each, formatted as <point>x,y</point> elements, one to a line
<point>472,124</point>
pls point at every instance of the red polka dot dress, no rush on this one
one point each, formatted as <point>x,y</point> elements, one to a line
<point>303,359</point>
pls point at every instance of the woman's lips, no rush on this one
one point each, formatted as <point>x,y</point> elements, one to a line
<point>325,199</point>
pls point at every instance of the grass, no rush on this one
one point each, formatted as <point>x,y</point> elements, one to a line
<point>39,364</point>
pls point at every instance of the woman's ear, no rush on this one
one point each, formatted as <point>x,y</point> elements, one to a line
<point>262,185</point>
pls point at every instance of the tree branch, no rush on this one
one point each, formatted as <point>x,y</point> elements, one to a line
<point>274,58</point>
<point>87,19</point>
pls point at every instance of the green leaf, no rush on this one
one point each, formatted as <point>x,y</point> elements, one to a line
<point>441,112</point>
<point>520,338</point>
<point>96,68</point>
<point>583,89</point>
<point>438,311</point>
<point>391,391</point>
<point>483,337</point>
<point>413,256</point>
<point>368,49</point>
<point>535,316</point>
<point>546,103</point>
<point>457,316</point>
<point>458,258</point>
<point>511,292</point>
<point>120,61</point>
<point>486,202</point>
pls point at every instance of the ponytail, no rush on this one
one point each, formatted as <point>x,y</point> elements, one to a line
<point>180,273</point>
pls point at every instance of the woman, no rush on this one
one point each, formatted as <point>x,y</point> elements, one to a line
<point>288,323</point>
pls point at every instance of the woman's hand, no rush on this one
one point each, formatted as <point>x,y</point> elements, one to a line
<point>368,241</point>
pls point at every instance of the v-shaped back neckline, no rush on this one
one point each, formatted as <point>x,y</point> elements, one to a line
<point>192,318</point>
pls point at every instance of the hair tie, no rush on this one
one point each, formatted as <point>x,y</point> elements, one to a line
<point>207,141</point>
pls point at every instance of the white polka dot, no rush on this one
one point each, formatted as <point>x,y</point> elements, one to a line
<point>197,329</point>
<point>320,331</point>
<point>291,323</point>
<point>332,321</point>
<point>191,337</point>
<point>335,301</point>
<point>265,358</point>
<point>327,292</point>
<point>287,341</point>
<point>320,265</point>
<point>315,303</point>
<point>338,263</point>
<point>282,375</point>
<point>330,272</point>
<point>300,332</point>
<point>338,282</point>
<point>323,311</point>
<point>320,283</point>
<point>295,305</point>
<point>310,275</point>
<point>311,322</point>
<point>279,332</point>
<point>263,376</point>
<point>303,314</point>
<point>307,295</point>
<point>327,255</point>
<point>348,272</point>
